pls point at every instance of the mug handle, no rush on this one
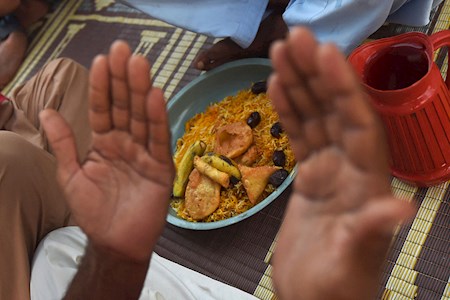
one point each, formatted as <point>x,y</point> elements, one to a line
<point>438,40</point>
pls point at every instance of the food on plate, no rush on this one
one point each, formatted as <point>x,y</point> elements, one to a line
<point>255,180</point>
<point>254,119</point>
<point>259,87</point>
<point>249,157</point>
<point>276,130</point>
<point>202,195</point>
<point>185,167</point>
<point>279,158</point>
<point>277,178</point>
<point>206,169</point>
<point>233,139</point>
<point>232,147</point>
<point>222,163</point>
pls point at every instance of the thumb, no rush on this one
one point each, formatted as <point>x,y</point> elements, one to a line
<point>380,216</point>
<point>62,142</point>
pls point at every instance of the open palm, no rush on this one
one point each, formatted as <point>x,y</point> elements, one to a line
<point>341,215</point>
<point>119,195</point>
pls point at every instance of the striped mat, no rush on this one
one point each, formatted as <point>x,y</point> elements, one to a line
<point>418,265</point>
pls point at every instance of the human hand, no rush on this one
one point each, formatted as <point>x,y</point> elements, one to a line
<point>341,215</point>
<point>119,195</point>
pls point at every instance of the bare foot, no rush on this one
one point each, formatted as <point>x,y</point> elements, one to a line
<point>341,215</point>
<point>271,29</point>
<point>14,47</point>
<point>12,53</point>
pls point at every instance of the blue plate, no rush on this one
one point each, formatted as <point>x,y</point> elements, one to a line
<point>211,87</point>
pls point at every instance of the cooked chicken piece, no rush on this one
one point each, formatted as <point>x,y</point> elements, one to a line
<point>233,139</point>
<point>249,157</point>
<point>202,196</point>
<point>204,168</point>
<point>255,180</point>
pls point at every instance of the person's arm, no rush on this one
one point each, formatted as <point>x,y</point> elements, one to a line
<point>120,194</point>
<point>107,275</point>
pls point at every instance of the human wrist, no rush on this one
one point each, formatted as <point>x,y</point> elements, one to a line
<point>106,274</point>
<point>106,256</point>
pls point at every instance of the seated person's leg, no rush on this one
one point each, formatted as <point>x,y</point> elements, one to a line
<point>62,85</point>
<point>15,17</point>
<point>31,205</point>
<point>341,215</point>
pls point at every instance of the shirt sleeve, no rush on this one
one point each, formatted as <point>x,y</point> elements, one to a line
<point>344,22</point>
<point>237,19</point>
<point>414,12</point>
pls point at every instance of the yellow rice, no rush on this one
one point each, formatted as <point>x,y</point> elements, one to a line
<point>203,127</point>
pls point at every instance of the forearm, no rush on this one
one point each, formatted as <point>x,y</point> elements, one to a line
<point>106,275</point>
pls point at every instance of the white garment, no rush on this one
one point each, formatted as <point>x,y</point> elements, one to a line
<point>59,254</point>
<point>344,22</point>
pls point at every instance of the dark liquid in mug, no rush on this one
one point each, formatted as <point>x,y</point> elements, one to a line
<point>397,67</point>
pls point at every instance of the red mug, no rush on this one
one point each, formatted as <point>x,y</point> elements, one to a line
<point>407,90</point>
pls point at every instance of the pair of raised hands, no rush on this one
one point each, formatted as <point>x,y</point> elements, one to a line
<point>339,221</point>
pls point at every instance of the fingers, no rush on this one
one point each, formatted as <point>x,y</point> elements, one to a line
<point>140,85</point>
<point>99,95</point>
<point>380,217</point>
<point>122,98</point>
<point>320,101</point>
<point>358,130</point>
<point>118,59</point>
<point>118,87</point>
<point>290,118</point>
<point>340,85</point>
<point>158,127</point>
<point>62,141</point>
<point>296,71</point>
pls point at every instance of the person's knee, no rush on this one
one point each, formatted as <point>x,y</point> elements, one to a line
<point>63,74</point>
<point>61,62</point>
<point>17,157</point>
<point>62,67</point>
<point>22,162</point>
<point>28,179</point>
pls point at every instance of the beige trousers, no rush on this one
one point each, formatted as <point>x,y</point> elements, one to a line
<point>31,203</point>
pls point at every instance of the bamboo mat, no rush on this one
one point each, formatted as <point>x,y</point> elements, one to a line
<point>418,265</point>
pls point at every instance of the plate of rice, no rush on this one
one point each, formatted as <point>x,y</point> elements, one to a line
<point>225,119</point>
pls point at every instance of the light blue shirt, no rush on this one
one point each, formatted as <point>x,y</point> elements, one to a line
<point>348,22</point>
<point>344,22</point>
<point>238,19</point>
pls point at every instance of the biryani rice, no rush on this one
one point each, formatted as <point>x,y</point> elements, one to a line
<point>203,126</point>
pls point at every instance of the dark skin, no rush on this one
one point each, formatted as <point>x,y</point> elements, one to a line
<point>14,47</point>
<point>120,194</point>
<point>341,214</point>
<point>271,29</point>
